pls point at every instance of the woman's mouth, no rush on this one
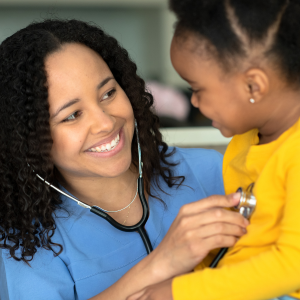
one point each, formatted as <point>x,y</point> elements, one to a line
<point>107,147</point>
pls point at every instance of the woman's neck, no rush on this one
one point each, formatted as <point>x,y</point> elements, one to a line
<point>107,193</point>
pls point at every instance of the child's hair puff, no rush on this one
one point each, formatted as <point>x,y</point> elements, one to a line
<point>251,29</point>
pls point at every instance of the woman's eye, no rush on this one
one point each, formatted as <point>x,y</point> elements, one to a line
<point>109,94</point>
<point>73,116</point>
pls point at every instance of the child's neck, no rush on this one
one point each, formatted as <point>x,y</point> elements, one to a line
<point>284,111</point>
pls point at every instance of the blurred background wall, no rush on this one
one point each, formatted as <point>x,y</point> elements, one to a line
<point>144,28</point>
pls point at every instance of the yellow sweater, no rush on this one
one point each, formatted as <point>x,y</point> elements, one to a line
<point>265,263</point>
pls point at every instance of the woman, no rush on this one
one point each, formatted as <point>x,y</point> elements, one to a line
<point>69,98</point>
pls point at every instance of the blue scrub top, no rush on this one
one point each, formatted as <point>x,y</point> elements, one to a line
<point>95,254</point>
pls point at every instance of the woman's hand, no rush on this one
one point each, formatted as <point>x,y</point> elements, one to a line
<point>159,291</point>
<point>199,228</point>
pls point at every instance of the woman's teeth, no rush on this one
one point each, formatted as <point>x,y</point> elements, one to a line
<point>107,147</point>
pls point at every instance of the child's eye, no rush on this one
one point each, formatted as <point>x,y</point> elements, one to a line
<point>192,91</point>
<point>109,94</point>
<point>73,116</point>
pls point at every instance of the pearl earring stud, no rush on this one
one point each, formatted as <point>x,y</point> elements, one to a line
<point>252,100</point>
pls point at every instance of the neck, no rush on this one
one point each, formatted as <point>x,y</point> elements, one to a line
<point>107,193</point>
<point>284,113</point>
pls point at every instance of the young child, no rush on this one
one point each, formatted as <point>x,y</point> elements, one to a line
<point>242,61</point>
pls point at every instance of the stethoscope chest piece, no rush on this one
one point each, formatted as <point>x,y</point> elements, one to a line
<point>247,202</point>
<point>246,208</point>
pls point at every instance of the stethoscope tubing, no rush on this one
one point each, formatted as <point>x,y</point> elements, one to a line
<point>218,257</point>
<point>140,226</point>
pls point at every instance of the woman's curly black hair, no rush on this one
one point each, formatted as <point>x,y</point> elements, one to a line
<point>27,205</point>
<point>234,27</point>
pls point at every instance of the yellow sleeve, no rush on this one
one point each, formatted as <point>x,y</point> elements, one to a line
<point>269,274</point>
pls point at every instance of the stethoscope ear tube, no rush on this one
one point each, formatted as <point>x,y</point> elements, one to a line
<point>140,226</point>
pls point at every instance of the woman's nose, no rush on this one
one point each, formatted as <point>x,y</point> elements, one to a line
<point>101,121</point>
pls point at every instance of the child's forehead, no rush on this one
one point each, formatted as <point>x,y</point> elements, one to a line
<point>194,43</point>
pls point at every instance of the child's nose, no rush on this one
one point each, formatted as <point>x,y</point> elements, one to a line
<point>194,101</point>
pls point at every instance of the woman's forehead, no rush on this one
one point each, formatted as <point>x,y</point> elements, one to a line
<point>75,59</point>
<point>75,65</point>
<point>73,71</point>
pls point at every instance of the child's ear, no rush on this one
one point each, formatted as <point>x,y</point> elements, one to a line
<point>257,84</point>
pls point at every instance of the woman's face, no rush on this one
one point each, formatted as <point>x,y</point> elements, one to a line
<point>91,118</point>
<point>220,97</point>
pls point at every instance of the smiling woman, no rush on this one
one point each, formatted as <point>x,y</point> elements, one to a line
<point>70,97</point>
<point>80,74</point>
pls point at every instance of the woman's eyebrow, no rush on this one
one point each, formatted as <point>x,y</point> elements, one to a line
<point>70,103</point>
<point>104,82</point>
<point>66,105</point>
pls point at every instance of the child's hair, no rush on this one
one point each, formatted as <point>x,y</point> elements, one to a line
<point>27,205</point>
<point>252,29</point>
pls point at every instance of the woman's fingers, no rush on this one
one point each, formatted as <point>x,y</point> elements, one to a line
<point>198,228</point>
<point>225,229</point>
<point>213,201</point>
<point>198,251</point>
<point>220,241</point>
<point>216,216</point>
<point>195,244</point>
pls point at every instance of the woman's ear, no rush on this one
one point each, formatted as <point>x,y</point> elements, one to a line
<point>257,84</point>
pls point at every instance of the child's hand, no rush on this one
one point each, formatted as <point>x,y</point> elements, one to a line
<point>159,291</point>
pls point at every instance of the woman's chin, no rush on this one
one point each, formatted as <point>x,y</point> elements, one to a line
<point>113,171</point>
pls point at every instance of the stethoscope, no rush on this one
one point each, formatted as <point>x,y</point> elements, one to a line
<point>246,208</point>
<point>140,226</point>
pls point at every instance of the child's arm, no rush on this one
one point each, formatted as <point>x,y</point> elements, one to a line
<point>270,274</point>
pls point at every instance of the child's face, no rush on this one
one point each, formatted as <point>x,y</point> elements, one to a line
<point>220,97</point>
<point>88,111</point>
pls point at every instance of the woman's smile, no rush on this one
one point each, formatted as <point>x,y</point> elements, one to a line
<point>108,149</point>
